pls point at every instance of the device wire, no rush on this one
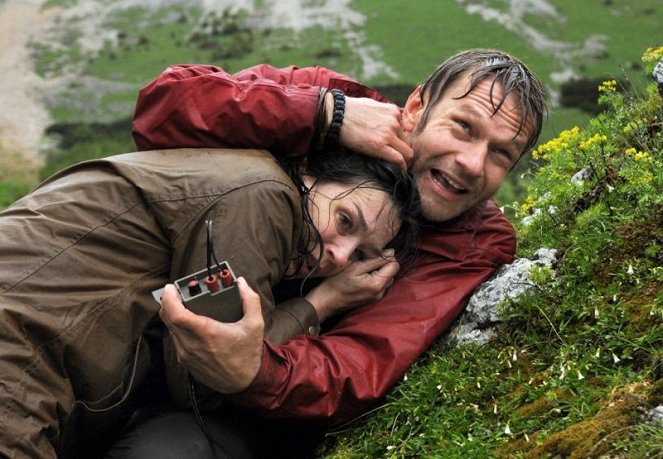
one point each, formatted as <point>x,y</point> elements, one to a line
<point>192,389</point>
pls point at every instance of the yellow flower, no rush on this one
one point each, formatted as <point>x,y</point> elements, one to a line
<point>593,140</point>
<point>528,204</point>
<point>653,54</point>
<point>608,86</point>
<point>558,144</point>
<point>644,157</point>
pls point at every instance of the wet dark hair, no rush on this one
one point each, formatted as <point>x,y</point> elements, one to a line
<point>508,72</point>
<point>339,165</point>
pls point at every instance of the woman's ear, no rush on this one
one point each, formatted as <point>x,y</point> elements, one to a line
<point>412,110</point>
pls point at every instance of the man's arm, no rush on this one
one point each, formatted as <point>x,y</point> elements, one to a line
<point>262,107</point>
<point>342,373</point>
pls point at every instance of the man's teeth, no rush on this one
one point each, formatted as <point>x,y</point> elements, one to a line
<point>454,184</point>
<point>448,183</point>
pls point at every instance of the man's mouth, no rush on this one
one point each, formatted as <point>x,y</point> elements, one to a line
<point>447,183</point>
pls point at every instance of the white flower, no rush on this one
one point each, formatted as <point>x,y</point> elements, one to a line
<point>598,353</point>
<point>507,430</point>
<point>390,447</point>
<point>615,358</point>
<point>404,377</point>
<point>630,271</point>
<point>494,408</point>
<point>439,387</point>
<point>596,312</point>
<point>580,376</point>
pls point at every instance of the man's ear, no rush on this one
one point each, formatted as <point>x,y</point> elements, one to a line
<point>412,110</point>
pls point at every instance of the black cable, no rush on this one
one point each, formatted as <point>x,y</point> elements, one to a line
<point>213,444</point>
<point>192,389</point>
<point>210,249</point>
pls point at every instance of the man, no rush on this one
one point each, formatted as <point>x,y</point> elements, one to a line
<point>462,131</point>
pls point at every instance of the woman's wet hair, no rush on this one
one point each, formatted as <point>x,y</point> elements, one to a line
<point>343,166</point>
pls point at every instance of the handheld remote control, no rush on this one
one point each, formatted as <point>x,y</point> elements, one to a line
<point>212,293</point>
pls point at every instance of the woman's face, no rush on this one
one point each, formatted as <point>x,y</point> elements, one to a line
<point>355,223</point>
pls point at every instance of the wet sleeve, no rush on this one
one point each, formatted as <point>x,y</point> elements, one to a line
<point>204,106</point>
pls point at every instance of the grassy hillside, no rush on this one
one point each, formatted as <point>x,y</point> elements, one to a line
<point>579,364</point>
<point>407,38</point>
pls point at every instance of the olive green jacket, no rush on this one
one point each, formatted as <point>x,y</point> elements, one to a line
<point>79,258</point>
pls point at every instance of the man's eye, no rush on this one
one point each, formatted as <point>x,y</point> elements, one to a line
<point>504,154</point>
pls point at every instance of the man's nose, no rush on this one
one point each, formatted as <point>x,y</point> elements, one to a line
<point>472,159</point>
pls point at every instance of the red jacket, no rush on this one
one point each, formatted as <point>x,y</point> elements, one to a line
<point>343,372</point>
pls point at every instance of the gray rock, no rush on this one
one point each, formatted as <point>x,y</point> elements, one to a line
<point>658,75</point>
<point>582,175</point>
<point>476,324</point>
<point>552,210</point>
<point>656,414</point>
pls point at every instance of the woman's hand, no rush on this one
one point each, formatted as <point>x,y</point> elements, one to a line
<point>360,283</point>
<point>224,356</point>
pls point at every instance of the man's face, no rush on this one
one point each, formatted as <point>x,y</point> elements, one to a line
<point>464,151</point>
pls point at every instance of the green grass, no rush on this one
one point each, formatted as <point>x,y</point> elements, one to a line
<point>417,36</point>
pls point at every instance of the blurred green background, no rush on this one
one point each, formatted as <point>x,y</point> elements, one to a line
<point>96,54</point>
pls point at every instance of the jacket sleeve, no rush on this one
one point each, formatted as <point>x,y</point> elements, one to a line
<point>342,373</point>
<point>291,318</point>
<point>260,107</point>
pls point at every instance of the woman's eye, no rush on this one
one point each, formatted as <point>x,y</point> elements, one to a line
<point>345,222</point>
<point>463,125</point>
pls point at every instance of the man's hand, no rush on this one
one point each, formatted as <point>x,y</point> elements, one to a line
<point>374,129</point>
<point>224,356</point>
<point>360,283</point>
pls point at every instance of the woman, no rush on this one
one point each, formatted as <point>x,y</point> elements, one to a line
<point>82,253</point>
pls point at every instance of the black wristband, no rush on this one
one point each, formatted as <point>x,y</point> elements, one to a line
<point>337,117</point>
